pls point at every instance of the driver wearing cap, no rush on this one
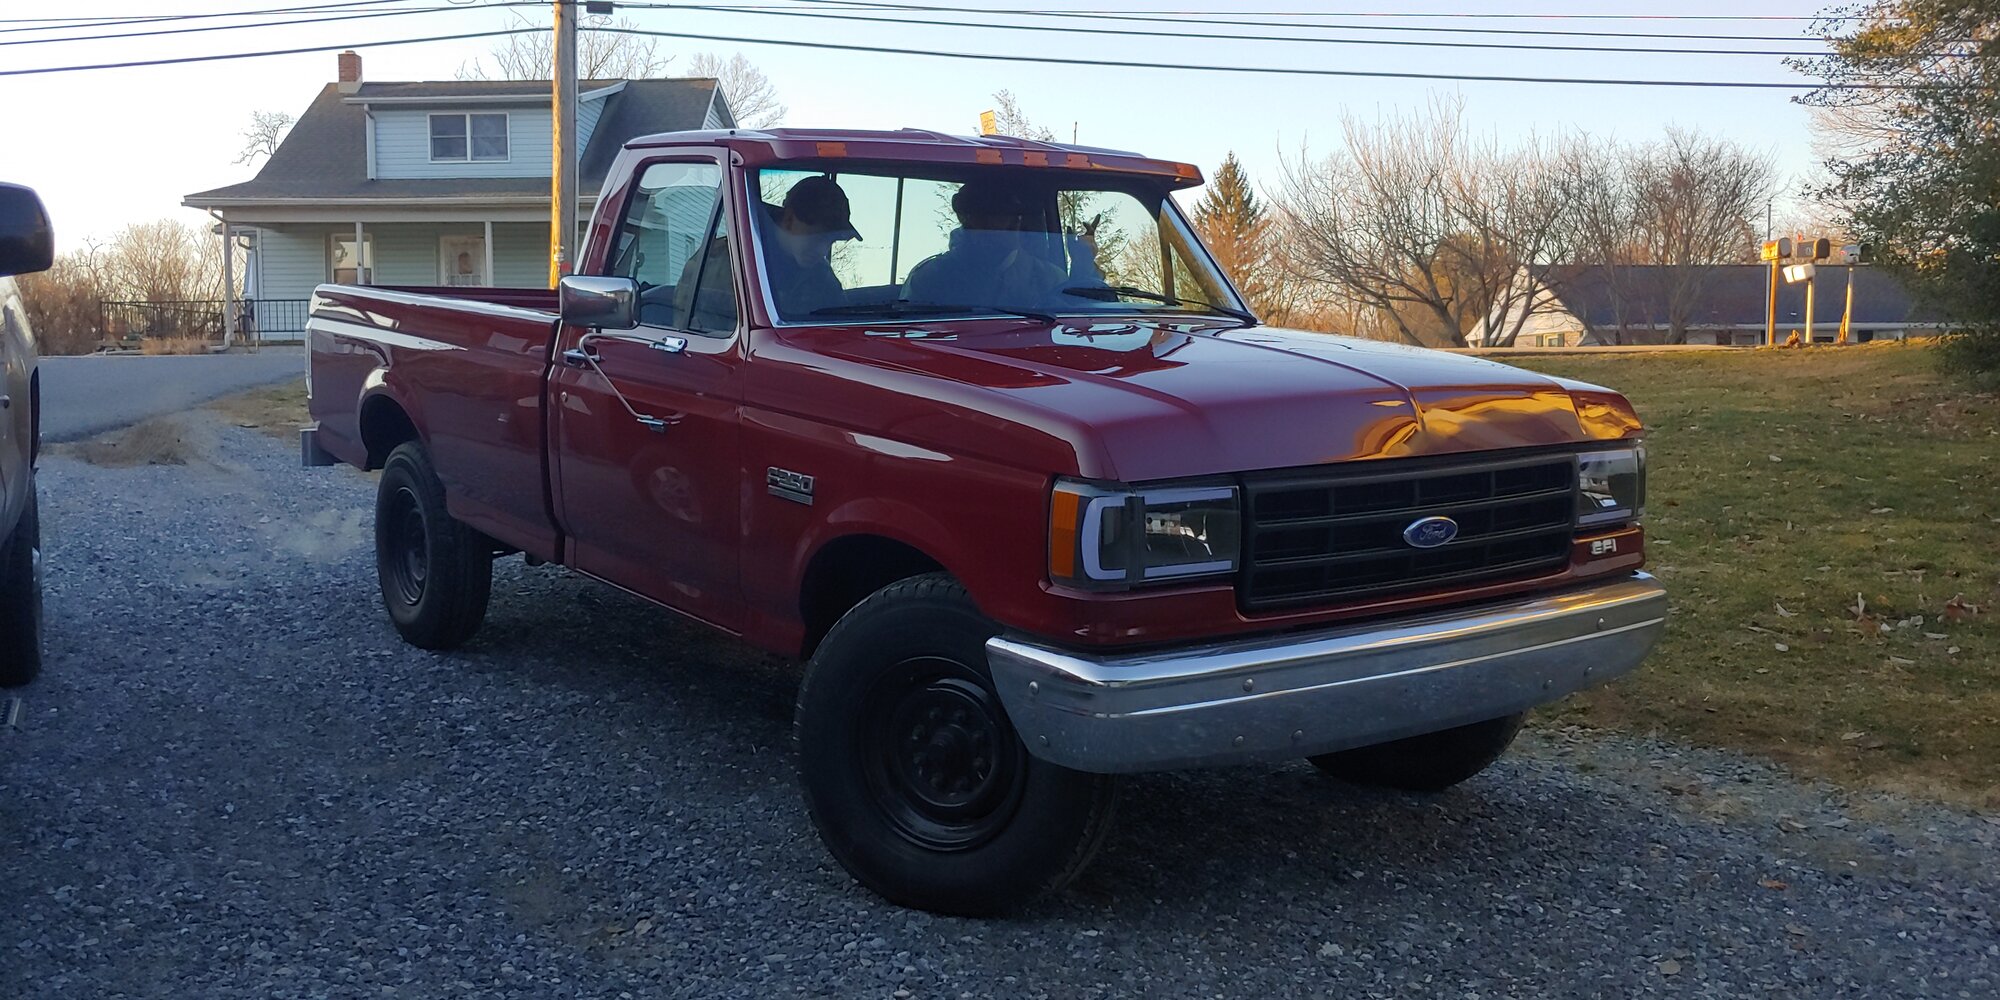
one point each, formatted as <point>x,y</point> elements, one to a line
<point>800,263</point>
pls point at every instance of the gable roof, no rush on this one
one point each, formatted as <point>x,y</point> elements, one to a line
<point>1735,295</point>
<point>324,156</point>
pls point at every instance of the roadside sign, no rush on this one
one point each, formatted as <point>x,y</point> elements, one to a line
<point>989,123</point>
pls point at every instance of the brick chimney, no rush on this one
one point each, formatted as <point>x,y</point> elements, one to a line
<point>350,72</point>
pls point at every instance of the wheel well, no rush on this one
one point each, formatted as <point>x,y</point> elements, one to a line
<point>384,425</point>
<point>846,571</point>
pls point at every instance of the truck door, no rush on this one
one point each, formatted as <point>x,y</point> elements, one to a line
<point>644,425</point>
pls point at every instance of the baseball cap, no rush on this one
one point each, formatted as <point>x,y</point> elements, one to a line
<point>821,203</point>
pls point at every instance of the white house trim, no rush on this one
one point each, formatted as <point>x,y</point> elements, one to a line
<point>460,99</point>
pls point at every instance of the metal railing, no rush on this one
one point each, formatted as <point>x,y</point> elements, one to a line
<point>268,321</point>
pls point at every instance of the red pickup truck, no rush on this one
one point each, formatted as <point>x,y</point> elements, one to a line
<point>977,429</point>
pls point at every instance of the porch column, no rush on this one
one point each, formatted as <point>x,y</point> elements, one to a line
<point>487,242</point>
<point>363,263</point>
<point>228,286</point>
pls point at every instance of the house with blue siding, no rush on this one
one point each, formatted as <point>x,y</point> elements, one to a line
<point>432,183</point>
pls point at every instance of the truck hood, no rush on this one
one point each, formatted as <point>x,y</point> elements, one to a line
<point>1144,401</point>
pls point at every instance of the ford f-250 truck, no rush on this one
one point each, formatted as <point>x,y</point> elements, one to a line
<point>977,429</point>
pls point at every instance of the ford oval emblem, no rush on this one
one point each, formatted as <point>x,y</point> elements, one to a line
<point>1430,532</point>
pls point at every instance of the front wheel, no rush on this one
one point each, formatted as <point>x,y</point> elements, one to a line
<point>21,599</point>
<point>435,572</point>
<point>1432,762</point>
<point>915,778</point>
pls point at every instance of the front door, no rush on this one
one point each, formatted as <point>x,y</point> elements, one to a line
<point>645,429</point>
<point>462,261</point>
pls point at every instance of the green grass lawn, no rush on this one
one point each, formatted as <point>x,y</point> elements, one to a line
<point>1783,486</point>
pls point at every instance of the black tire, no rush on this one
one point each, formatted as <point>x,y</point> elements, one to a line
<point>21,599</point>
<point>1432,762</point>
<point>435,572</point>
<point>913,774</point>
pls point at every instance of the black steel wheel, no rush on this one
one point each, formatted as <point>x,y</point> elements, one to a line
<point>914,776</point>
<point>941,760</point>
<point>436,574</point>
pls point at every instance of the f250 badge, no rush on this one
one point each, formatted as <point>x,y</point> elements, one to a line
<point>788,485</point>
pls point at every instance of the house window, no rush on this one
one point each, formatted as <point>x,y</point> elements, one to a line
<point>344,267</point>
<point>469,136</point>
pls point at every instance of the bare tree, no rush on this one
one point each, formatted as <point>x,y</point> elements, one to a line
<point>165,260</point>
<point>600,55</point>
<point>1694,198</point>
<point>1011,120</point>
<point>751,96</point>
<point>62,302</point>
<point>1386,222</point>
<point>267,129</point>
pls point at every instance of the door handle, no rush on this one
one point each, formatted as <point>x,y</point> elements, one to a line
<point>581,356</point>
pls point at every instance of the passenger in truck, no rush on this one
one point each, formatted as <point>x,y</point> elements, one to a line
<point>986,263</point>
<point>804,229</point>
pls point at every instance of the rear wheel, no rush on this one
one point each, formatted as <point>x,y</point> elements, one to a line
<point>915,778</point>
<point>1432,762</point>
<point>435,572</point>
<point>21,599</point>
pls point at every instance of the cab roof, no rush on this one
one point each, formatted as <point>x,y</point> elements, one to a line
<point>760,146</point>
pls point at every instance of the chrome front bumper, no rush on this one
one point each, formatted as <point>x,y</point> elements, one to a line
<point>1297,694</point>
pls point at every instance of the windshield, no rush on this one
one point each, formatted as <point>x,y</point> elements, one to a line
<point>880,244</point>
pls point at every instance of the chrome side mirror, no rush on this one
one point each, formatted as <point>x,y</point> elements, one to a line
<point>604,303</point>
<point>27,242</point>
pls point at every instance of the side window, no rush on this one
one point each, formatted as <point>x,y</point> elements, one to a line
<point>660,239</point>
<point>713,309</point>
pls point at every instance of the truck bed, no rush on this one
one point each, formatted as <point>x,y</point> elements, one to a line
<point>469,365</point>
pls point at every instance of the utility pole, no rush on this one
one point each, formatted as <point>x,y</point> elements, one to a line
<point>562,181</point>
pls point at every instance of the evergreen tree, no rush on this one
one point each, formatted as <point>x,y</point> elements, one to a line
<point>1231,221</point>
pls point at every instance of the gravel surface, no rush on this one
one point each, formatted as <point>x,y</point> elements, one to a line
<point>234,781</point>
<point>89,395</point>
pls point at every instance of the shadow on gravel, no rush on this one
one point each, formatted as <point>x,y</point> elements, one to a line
<point>1219,840</point>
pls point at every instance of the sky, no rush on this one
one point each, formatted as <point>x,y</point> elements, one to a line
<point>111,147</point>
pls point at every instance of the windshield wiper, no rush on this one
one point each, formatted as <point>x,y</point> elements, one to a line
<point>904,307</point>
<point>1110,293</point>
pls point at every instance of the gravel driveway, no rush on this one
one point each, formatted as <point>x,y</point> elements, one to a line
<point>234,781</point>
<point>88,395</point>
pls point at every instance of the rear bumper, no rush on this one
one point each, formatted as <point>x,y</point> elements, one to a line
<point>311,453</point>
<point>1300,694</point>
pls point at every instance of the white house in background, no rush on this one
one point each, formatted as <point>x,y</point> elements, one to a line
<point>1581,305</point>
<point>433,183</point>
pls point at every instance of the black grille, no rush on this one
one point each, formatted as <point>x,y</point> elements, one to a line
<point>1324,536</point>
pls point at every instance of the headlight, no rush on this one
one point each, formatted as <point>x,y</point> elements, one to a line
<point>1110,538</point>
<point>1611,486</point>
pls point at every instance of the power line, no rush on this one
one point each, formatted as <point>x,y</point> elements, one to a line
<point>261,24</point>
<point>1149,19</point>
<point>1262,70</point>
<point>224,56</point>
<point>1303,39</point>
<point>65,23</point>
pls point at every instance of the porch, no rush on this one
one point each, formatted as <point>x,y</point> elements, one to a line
<point>288,260</point>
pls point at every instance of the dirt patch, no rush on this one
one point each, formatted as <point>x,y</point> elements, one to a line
<point>161,441</point>
<point>278,410</point>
